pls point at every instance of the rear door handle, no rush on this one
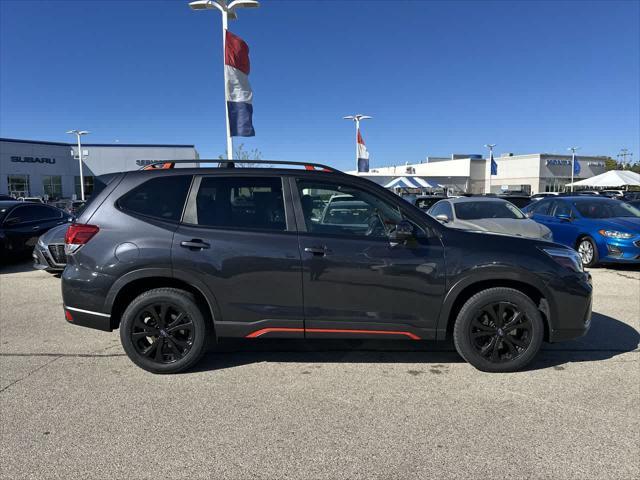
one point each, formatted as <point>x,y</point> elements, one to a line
<point>320,251</point>
<point>35,228</point>
<point>195,244</point>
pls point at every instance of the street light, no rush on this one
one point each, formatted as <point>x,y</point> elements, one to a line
<point>357,118</point>
<point>573,162</point>
<point>228,11</point>
<point>79,133</point>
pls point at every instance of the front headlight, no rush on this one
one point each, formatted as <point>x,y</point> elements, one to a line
<point>615,234</point>
<point>566,257</point>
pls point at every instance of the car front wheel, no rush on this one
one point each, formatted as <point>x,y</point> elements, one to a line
<point>588,252</point>
<point>164,331</point>
<point>498,330</point>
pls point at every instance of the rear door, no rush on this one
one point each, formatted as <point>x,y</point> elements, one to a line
<point>355,281</point>
<point>238,239</point>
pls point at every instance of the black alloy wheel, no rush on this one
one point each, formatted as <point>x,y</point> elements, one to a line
<point>164,331</point>
<point>498,330</point>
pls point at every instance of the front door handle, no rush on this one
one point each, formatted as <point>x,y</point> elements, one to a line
<point>35,228</point>
<point>195,244</point>
<point>319,251</point>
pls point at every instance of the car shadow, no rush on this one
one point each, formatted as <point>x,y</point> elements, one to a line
<point>16,265</point>
<point>607,338</point>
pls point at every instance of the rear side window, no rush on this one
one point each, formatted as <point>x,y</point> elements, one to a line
<point>241,202</point>
<point>161,197</point>
<point>34,213</point>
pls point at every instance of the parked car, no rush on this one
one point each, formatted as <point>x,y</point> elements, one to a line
<point>519,201</point>
<point>424,202</point>
<point>601,229</point>
<point>48,254</point>
<point>4,197</point>
<point>72,207</point>
<point>617,194</point>
<point>487,214</point>
<point>541,195</point>
<point>21,223</point>
<point>31,199</point>
<point>173,256</point>
<point>630,196</point>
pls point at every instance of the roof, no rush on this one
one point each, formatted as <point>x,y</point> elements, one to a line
<point>612,178</point>
<point>65,144</point>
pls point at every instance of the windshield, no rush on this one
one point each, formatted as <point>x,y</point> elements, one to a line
<point>605,209</point>
<point>347,213</point>
<point>479,210</point>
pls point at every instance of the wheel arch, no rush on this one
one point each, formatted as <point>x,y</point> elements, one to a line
<point>467,287</point>
<point>134,283</point>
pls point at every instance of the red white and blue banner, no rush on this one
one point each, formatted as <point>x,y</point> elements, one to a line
<point>237,88</point>
<point>363,155</point>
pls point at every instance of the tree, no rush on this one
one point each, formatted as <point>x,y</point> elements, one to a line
<point>243,155</point>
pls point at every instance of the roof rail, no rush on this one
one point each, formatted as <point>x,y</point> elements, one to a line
<point>231,163</point>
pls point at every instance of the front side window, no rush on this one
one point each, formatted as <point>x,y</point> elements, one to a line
<point>442,208</point>
<point>562,208</point>
<point>488,209</point>
<point>241,202</point>
<point>161,197</point>
<point>542,207</point>
<point>344,210</point>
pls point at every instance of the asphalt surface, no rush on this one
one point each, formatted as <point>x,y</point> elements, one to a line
<point>73,406</point>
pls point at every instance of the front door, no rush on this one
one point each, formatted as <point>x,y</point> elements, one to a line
<point>238,240</point>
<point>355,281</point>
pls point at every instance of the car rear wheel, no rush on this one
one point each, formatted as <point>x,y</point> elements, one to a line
<point>498,330</point>
<point>588,251</point>
<point>164,331</point>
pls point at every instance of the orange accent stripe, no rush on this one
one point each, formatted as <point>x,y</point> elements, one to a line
<point>264,331</point>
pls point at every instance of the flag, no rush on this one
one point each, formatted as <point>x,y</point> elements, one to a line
<point>237,88</point>
<point>494,165</point>
<point>363,155</point>
<point>576,166</point>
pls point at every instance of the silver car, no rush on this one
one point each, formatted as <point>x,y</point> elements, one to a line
<point>488,214</point>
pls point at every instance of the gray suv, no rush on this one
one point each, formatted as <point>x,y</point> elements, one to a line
<point>177,257</point>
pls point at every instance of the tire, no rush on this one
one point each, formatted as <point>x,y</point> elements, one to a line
<point>151,335</point>
<point>588,251</point>
<point>480,336</point>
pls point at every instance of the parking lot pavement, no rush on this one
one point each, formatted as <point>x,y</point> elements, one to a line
<point>73,406</point>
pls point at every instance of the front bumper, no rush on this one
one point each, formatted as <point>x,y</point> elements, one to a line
<point>620,251</point>
<point>571,314</point>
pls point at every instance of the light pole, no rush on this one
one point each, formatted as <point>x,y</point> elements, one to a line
<point>573,162</point>
<point>228,11</point>
<point>356,118</point>
<point>78,134</point>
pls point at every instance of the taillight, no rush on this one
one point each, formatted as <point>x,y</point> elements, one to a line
<point>77,235</point>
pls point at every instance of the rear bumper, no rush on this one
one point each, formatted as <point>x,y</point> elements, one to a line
<point>87,318</point>
<point>43,260</point>
<point>573,301</point>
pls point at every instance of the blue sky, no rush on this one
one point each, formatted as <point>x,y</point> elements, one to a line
<point>439,77</point>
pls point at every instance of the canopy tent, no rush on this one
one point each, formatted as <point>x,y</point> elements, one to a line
<point>409,182</point>
<point>612,178</point>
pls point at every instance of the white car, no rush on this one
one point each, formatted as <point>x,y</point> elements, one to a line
<point>488,214</point>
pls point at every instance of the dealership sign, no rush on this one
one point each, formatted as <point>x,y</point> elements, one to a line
<point>555,161</point>
<point>50,161</point>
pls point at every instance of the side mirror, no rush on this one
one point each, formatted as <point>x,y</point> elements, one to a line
<point>563,217</point>
<point>442,218</point>
<point>402,232</point>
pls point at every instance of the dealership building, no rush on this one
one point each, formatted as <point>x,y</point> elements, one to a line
<point>32,168</point>
<point>531,173</point>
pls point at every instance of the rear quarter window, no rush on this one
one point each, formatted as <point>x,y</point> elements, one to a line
<point>161,197</point>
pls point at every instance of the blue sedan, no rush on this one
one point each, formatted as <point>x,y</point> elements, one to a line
<point>600,229</point>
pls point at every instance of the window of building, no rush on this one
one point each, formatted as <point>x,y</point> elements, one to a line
<point>241,202</point>
<point>161,197</point>
<point>88,186</point>
<point>18,185</point>
<point>52,186</point>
